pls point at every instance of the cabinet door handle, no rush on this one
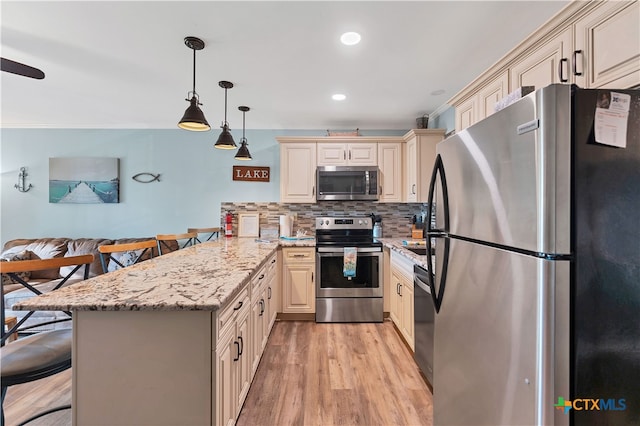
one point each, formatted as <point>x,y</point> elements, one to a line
<point>561,70</point>
<point>313,190</point>
<point>349,154</point>
<point>261,276</point>
<point>380,189</point>
<point>239,306</point>
<point>312,277</point>
<point>269,292</point>
<point>238,345</point>
<point>273,261</point>
<point>344,155</point>
<point>413,188</point>
<point>261,307</point>
<point>241,346</point>
<point>400,290</point>
<point>575,62</point>
<point>300,255</point>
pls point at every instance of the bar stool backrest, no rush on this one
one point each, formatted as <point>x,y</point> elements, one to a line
<point>211,231</point>
<point>189,239</point>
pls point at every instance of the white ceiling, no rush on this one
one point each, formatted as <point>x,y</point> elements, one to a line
<point>125,65</point>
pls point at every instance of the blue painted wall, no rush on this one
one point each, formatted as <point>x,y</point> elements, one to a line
<point>195,179</point>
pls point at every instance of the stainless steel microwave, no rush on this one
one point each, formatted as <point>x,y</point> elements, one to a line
<point>347,183</point>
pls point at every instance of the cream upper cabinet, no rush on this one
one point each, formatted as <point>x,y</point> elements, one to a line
<point>297,172</point>
<point>466,113</point>
<point>344,154</point>
<point>594,44</point>
<point>420,156</point>
<point>390,165</point>
<point>482,103</point>
<point>490,94</point>
<point>545,65</point>
<point>607,46</point>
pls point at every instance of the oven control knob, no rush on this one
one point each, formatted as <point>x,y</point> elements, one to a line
<point>359,222</point>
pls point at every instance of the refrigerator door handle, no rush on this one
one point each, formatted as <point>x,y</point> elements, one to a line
<point>438,294</point>
<point>438,170</point>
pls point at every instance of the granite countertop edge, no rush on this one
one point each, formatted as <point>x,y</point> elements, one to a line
<point>204,277</point>
<point>395,244</point>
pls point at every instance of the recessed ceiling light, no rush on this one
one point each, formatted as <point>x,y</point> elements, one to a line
<point>338,97</point>
<point>350,38</point>
<point>437,92</point>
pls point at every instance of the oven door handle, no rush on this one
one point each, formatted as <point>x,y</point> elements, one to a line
<point>341,250</point>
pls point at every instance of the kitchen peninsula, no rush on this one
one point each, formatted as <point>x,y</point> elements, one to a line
<point>169,341</point>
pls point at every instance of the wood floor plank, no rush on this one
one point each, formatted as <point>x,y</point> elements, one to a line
<point>354,374</point>
<point>310,374</point>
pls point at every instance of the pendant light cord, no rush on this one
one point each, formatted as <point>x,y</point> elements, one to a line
<point>225,107</point>
<point>194,73</point>
<point>243,113</point>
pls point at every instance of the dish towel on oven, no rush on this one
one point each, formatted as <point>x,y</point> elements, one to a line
<point>350,257</point>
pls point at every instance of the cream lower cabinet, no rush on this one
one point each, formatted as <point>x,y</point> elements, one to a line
<point>233,360</point>
<point>401,297</point>
<point>263,310</point>
<point>298,283</point>
<point>298,172</point>
<point>273,291</point>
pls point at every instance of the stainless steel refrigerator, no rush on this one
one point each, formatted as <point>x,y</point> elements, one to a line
<point>537,270</point>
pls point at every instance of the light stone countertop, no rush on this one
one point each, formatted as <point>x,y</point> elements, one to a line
<point>396,245</point>
<point>202,277</point>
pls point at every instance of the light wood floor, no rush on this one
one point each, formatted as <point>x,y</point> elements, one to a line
<point>310,374</point>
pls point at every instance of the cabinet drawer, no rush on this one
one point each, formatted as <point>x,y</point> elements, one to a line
<point>272,264</point>
<point>258,281</point>
<point>226,317</point>
<point>306,254</point>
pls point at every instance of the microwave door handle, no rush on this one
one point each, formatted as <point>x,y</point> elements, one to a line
<point>367,182</point>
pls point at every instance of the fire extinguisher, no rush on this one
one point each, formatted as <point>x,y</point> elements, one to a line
<point>227,225</point>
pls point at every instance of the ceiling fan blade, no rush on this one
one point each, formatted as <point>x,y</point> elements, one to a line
<point>20,69</point>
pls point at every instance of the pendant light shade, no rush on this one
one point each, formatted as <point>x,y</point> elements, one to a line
<point>243,152</point>
<point>193,118</point>
<point>225,140</point>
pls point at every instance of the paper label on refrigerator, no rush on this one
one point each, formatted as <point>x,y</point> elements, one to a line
<point>612,116</point>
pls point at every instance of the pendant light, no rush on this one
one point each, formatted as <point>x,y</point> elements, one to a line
<point>193,118</point>
<point>225,140</point>
<point>243,152</point>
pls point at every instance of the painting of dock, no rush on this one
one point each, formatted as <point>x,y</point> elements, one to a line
<point>83,180</point>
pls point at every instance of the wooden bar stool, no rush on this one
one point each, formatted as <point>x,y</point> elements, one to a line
<point>210,231</point>
<point>11,322</point>
<point>189,239</point>
<point>41,354</point>
<point>137,250</point>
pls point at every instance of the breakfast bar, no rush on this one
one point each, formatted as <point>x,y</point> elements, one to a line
<point>170,340</point>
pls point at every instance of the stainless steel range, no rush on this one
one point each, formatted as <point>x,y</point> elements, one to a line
<point>341,298</point>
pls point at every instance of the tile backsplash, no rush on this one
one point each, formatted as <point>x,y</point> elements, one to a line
<point>396,217</point>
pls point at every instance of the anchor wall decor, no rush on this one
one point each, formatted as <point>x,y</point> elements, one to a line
<point>21,185</point>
